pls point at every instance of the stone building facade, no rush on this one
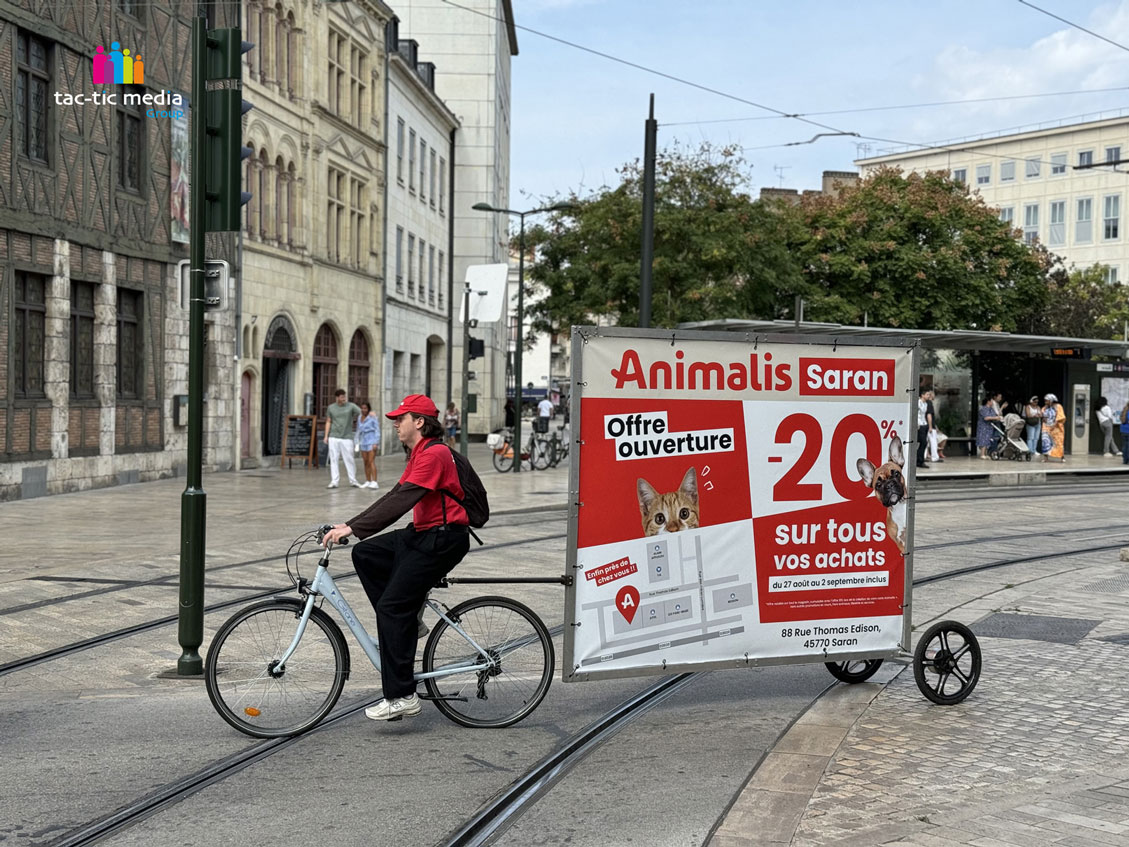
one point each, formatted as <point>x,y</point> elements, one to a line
<point>309,311</point>
<point>418,233</point>
<point>93,339</point>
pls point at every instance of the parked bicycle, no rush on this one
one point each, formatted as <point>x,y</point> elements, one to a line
<point>558,445</point>
<point>537,453</point>
<point>277,668</point>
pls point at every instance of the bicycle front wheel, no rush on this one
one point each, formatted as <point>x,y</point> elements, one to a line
<point>540,453</point>
<point>506,687</point>
<point>504,458</point>
<point>256,695</point>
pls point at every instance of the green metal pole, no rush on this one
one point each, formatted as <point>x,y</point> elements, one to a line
<point>466,369</point>
<point>193,503</point>
<point>519,391</point>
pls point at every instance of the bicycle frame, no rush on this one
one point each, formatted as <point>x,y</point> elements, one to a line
<point>324,586</point>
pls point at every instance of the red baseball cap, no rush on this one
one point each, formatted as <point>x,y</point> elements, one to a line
<point>419,403</point>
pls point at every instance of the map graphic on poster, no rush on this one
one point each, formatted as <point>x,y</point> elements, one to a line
<point>737,505</point>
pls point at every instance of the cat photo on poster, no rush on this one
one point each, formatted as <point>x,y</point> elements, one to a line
<point>673,511</point>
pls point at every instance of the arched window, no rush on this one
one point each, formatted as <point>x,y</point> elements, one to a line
<point>291,201</point>
<point>280,216</point>
<point>249,184</point>
<point>262,45</point>
<point>325,368</point>
<point>262,205</point>
<point>291,51</point>
<point>281,53</point>
<point>359,368</point>
<point>251,57</point>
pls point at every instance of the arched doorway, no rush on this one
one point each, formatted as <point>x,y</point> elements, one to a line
<point>279,350</point>
<point>325,369</point>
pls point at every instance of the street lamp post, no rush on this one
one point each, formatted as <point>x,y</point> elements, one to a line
<point>486,207</point>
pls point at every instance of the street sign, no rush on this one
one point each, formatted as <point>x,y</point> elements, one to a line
<point>739,501</point>
<point>217,274</point>
<point>487,292</point>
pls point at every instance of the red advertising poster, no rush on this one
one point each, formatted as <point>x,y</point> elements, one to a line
<point>737,502</point>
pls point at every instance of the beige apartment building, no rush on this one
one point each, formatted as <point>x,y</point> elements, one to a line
<point>1061,185</point>
<point>309,314</point>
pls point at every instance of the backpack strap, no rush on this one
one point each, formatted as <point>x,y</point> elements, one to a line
<point>445,493</point>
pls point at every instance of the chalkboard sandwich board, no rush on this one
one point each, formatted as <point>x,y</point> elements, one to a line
<point>300,442</point>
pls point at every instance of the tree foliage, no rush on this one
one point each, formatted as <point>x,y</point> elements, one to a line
<point>915,251</point>
<point>1081,304</point>
<point>718,253</point>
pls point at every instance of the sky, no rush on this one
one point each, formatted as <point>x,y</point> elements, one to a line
<point>577,117</point>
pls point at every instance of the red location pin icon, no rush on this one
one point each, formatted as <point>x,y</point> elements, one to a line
<point>627,601</point>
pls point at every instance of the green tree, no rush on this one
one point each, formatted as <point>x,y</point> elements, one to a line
<point>915,251</point>
<point>718,253</point>
<point>1081,304</point>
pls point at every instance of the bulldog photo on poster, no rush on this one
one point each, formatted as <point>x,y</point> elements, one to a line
<point>737,506</point>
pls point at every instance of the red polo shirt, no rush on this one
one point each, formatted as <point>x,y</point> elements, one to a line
<point>434,469</point>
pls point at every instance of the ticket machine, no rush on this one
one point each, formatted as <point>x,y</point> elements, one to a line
<point>1079,423</point>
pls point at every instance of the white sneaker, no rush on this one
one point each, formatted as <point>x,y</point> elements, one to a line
<point>355,484</point>
<point>332,485</point>
<point>394,709</point>
<point>374,485</point>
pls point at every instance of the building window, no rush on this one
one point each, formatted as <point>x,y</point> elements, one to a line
<point>358,368</point>
<point>30,334</point>
<point>1111,275</point>
<point>399,260</point>
<point>133,8</point>
<point>357,220</point>
<point>1111,219</point>
<point>1033,168</point>
<point>281,53</point>
<point>431,275</point>
<point>129,343</point>
<point>1085,158</point>
<point>441,278</point>
<point>1007,171</point>
<point>358,60</point>
<point>1113,154</point>
<point>33,80</point>
<point>411,160</point>
<point>411,265</point>
<point>431,180</point>
<point>422,162</point>
<point>983,174</point>
<point>442,183</point>
<point>1007,215</point>
<point>335,215</point>
<point>400,150</point>
<point>325,369</point>
<point>1056,235</point>
<point>960,175</point>
<point>1083,228</point>
<point>1031,223</point>
<point>82,339</point>
<point>336,79</point>
<point>422,267</point>
<point>1058,164</point>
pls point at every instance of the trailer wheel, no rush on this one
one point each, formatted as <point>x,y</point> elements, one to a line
<point>946,663</point>
<point>855,670</point>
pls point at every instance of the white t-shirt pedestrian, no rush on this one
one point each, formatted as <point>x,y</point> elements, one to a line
<point>545,408</point>
<point>1105,414</point>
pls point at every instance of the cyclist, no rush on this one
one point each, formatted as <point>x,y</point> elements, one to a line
<point>398,568</point>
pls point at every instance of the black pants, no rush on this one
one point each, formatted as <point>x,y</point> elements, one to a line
<point>397,569</point>
<point>922,443</point>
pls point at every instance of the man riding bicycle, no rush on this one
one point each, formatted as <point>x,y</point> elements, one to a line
<point>397,569</point>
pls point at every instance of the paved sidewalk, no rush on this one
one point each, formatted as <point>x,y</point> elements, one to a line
<point>1037,755</point>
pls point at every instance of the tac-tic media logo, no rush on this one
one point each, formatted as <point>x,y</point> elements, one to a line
<point>117,66</point>
<point>123,67</point>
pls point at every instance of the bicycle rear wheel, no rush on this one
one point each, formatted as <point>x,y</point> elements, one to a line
<point>507,688</point>
<point>248,688</point>
<point>504,459</point>
<point>540,453</point>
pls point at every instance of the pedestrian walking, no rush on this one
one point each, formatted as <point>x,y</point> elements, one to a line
<point>922,425</point>
<point>509,410</point>
<point>451,423</point>
<point>984,432</point>
<point>397,569</point>
<point>544,413</point>
<point>340,422</point>
<point>1033,425</point>
<point>368,440</point>
<point>1054,425</point>
<point>1105,420</point>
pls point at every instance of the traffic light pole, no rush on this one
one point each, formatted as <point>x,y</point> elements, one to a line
<point>466,369</point>
<point>193,503</point>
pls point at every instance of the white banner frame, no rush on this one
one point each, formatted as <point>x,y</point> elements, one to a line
<point>744,343</point>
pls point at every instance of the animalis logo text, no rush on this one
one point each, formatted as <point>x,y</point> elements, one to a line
<point>818,376</point>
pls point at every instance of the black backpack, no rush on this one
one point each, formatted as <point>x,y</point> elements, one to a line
<point>474,501</point>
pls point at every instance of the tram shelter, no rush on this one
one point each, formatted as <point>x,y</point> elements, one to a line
<point>961,366</point>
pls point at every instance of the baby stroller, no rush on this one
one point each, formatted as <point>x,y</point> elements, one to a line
<point>1008,441</point>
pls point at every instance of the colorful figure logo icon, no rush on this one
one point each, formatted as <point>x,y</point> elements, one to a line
<point>117,66</point>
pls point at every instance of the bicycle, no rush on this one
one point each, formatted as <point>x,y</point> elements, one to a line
<point>537,452</point>
<point>558,445</point>
<point>269,677</point>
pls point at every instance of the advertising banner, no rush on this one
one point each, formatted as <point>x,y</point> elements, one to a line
<point>737,500</point>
